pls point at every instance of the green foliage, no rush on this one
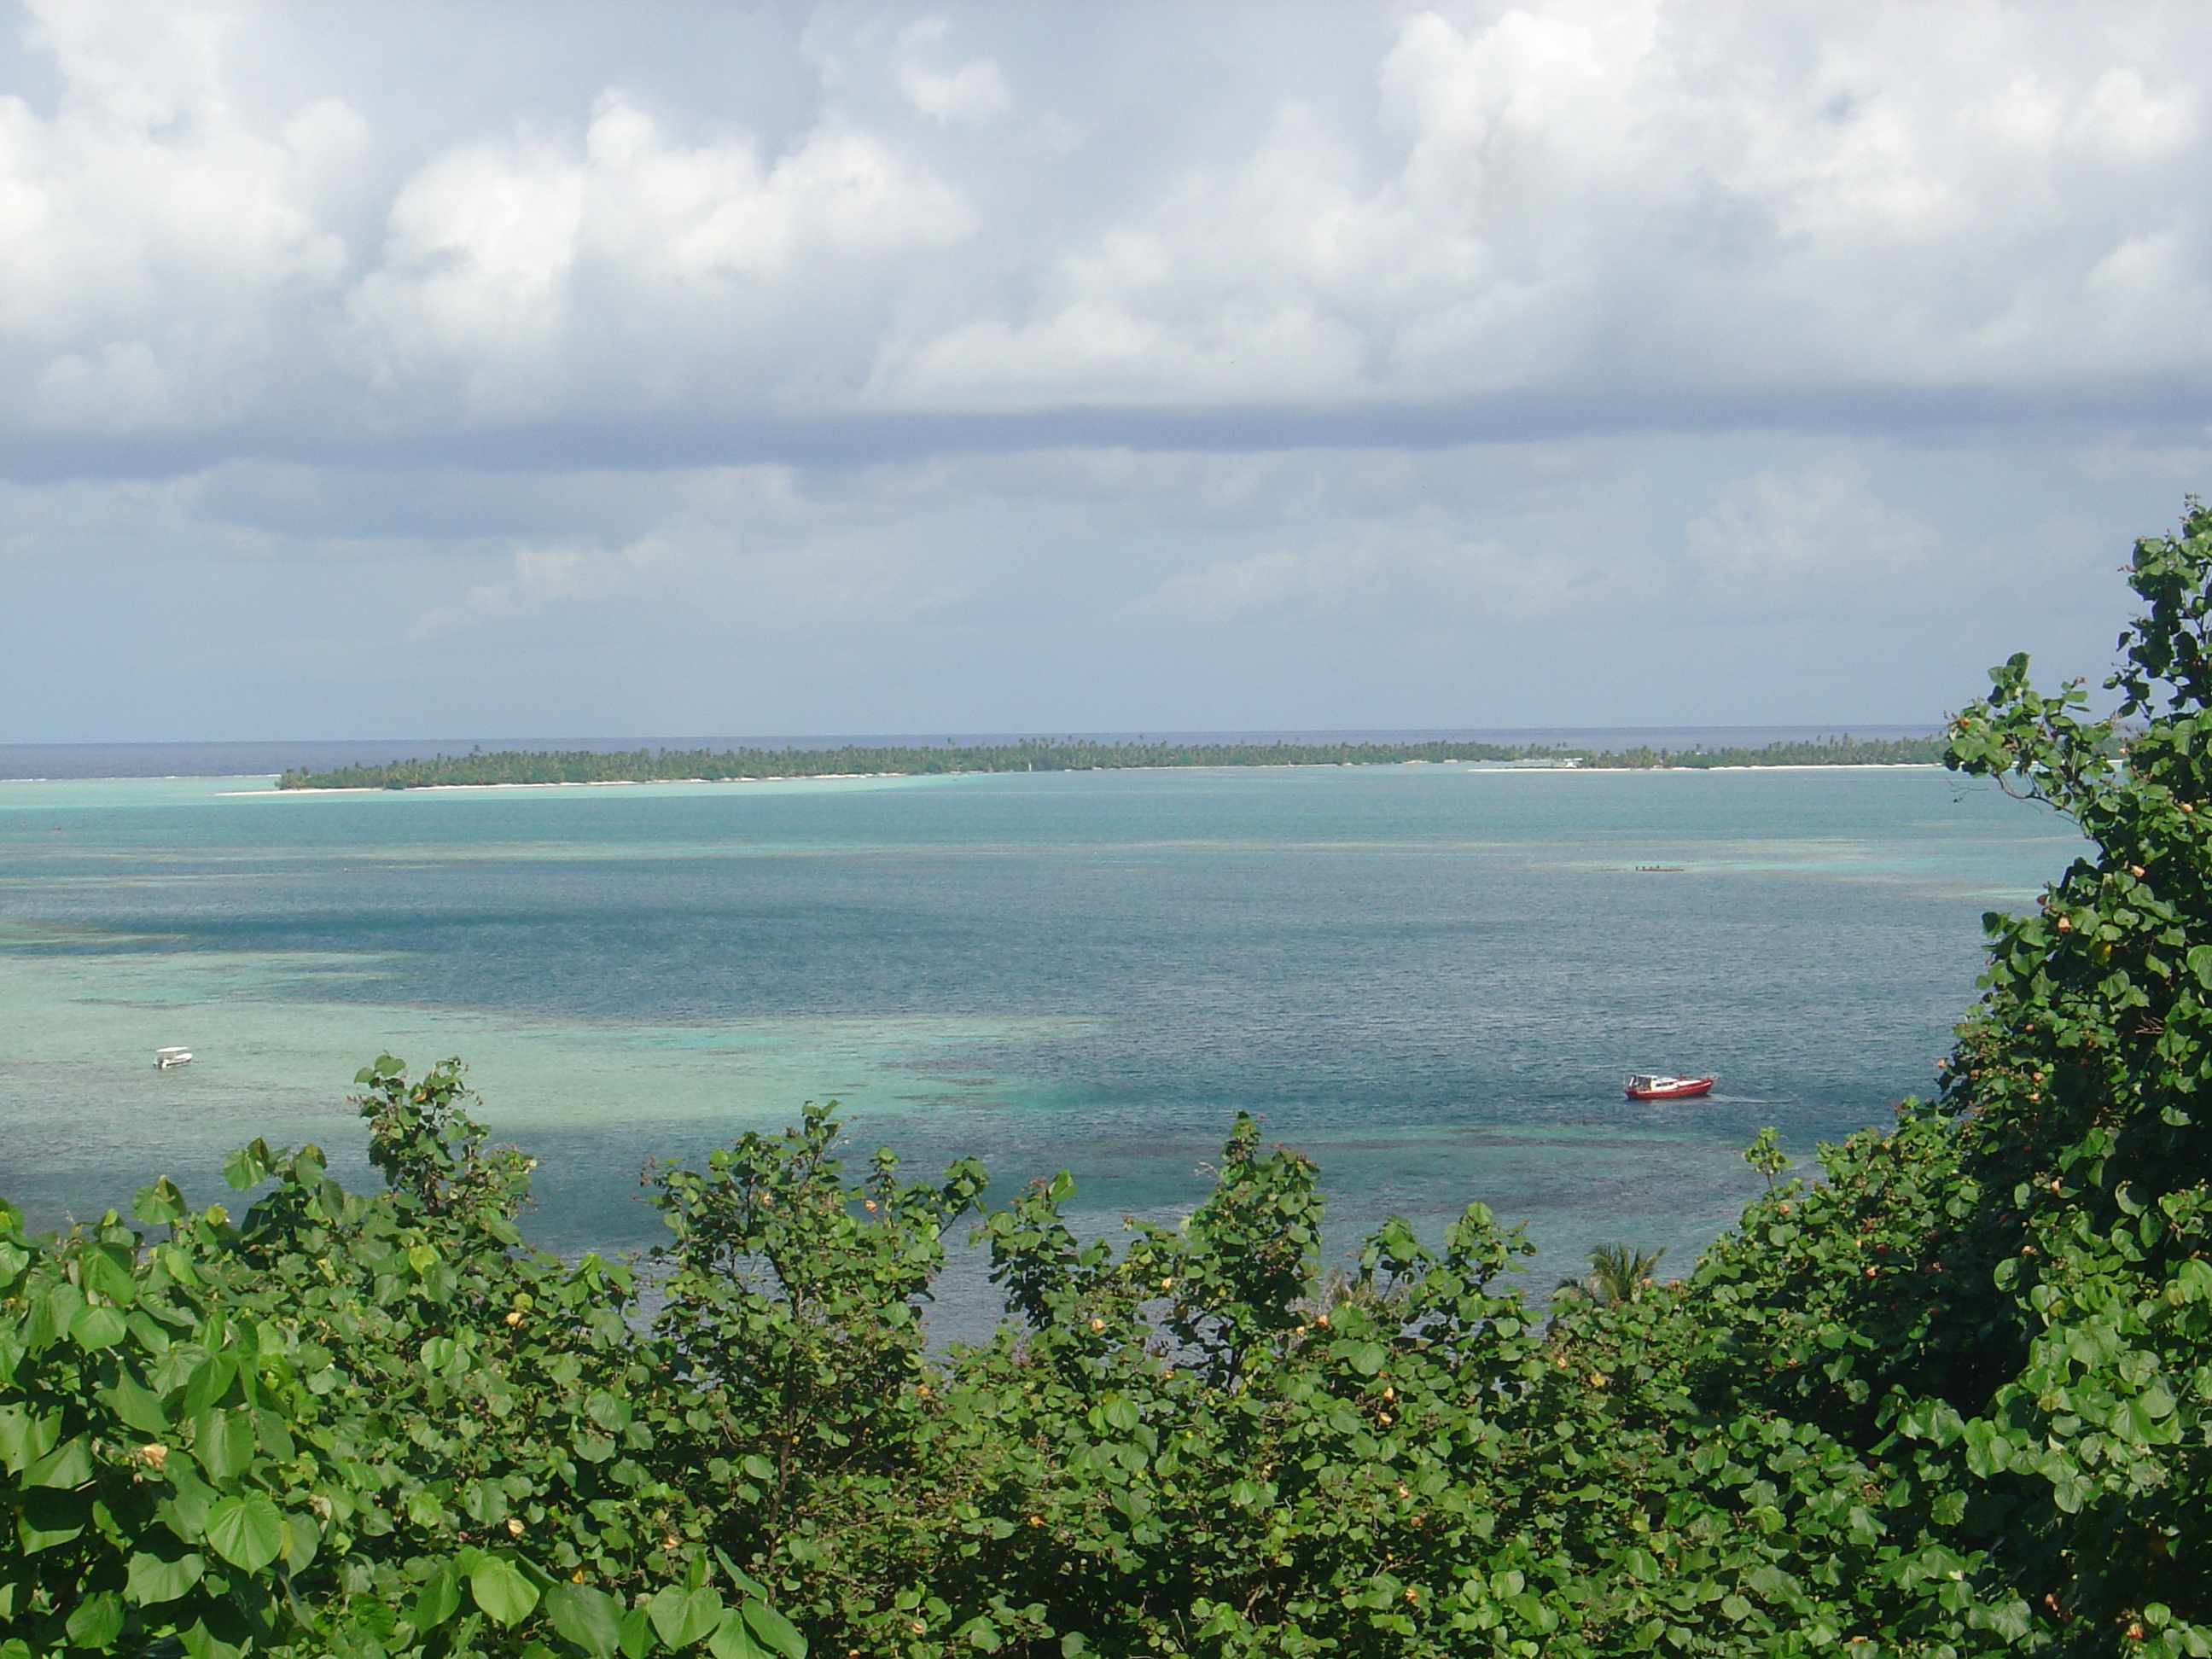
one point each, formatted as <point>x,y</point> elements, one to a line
<point>1617,1273</point>
<point>2080,1078</point>
<point>1067,754</point>
<point>1028,754</point>
<point>1953,1398</point>
<point>1764,1154</point>
<point>341,1423</point>
<point>1844,750</point>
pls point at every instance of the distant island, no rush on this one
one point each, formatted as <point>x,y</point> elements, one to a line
<point>1064,755</point>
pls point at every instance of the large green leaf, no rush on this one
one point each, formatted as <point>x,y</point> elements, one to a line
<point>96,1621</point>
<point>92,1327</point>
<point>210,1380</point>
<point>223,1444</point>
<point>51,1313</point>
<point>302,1538</point>
<point>501,1590</point>
<point>139,1408</point>
<point>25,1438</point>
<point>438,1600</point>
<point>48,1518</point>
<point>248,1165</point>
<point>772,1628</point>
<point>588,1617</point>
<point>247,1531</point>
<point>184,1510</point>
<point>152,1579</point>
<point>67,1466</point>
<point>109,1276</point>
<point>684,1617</point>
<point>731,1640</point>
<point>276,1439</point>
<point>228,1642</point>
<point>159,1204</point>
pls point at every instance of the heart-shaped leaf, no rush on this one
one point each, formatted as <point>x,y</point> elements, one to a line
<point>96,1621</point>
<point>684,1617</point>
<point>223,1443</point>
<point>103,1273</point>
<point>66,1467</point>
<point>97,1328</point>
<point>154,1580</point>
<point>48,1518</point>
<point>302,1538</point>
<point>247,1165</point>
<point>731,1640</point>
<point>139,1408</point>
<point>200,1643</point>
<point>588,1617</point>
<point>501,1590</point>
<point>247,1531</point>
<point>158,1204</point>
<point>438,1600</point>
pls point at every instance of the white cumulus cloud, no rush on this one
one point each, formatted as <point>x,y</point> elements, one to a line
<point>1572,200</point>
<point>974,92</point>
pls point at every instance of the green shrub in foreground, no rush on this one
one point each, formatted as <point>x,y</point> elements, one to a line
<point>345,1424</point>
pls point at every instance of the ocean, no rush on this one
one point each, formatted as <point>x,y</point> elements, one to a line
<point>1431,978</point>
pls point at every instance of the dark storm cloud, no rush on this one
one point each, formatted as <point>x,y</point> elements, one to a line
<point>2173,406</point>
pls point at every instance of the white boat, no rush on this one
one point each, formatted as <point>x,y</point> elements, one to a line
<point>165,1058</point>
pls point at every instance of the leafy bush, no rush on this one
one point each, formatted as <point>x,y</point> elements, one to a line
<point>346,1424</point>
<point>1955,1398</point>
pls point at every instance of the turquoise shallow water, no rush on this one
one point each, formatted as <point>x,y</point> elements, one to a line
<point>1431,978</point>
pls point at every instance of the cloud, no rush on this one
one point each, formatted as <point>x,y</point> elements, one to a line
<point>543,576</point>
<point>1099,365</point>
<point>974,92</point>
<point>742,542</point>
<point>1424,581</point>
<point>1572,204</point>
<point>1601,198</point>
<point>154,246</point>
<point>1808,539</point>
<point>505,263</point>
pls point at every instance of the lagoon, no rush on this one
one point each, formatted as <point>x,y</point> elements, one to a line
<point>1432,978</point>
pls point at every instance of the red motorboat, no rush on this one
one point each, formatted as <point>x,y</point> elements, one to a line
<point>1649,1085</point>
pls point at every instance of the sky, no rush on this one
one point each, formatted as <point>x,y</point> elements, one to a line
<point>556,368</point>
